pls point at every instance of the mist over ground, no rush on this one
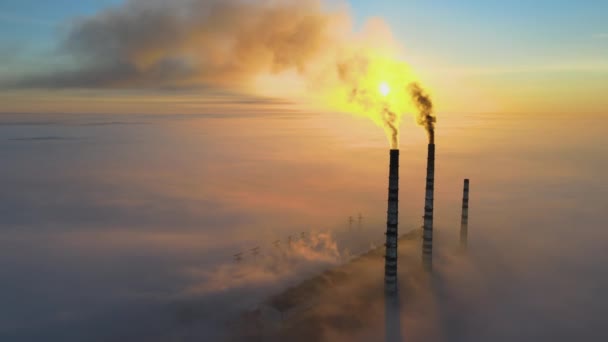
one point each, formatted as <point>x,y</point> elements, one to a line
<point>122,228</point>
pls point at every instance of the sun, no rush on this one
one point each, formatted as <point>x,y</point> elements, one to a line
<point>384,89</point>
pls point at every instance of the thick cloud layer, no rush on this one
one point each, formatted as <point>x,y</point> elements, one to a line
<point>128,233</point>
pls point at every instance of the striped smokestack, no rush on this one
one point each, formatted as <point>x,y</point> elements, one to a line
<point>427,236</point>
<point>390,266</point>
<point>464,221</point>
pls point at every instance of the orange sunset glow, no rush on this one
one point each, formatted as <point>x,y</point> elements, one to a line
<point>303,170</point>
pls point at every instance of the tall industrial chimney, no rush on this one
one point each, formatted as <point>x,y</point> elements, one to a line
<point>464,221</point>
<point>392,235</point>
<point>427,236</point>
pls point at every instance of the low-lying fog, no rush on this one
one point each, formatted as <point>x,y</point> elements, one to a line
<point>125,227</point>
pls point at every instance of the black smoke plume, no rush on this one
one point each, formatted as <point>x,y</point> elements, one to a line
<point>425,116</point>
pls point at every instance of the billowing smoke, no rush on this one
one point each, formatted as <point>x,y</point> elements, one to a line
<point>425,116</point>
<point>190,43</point>
<point>229,45</point>
<point>273,265</point>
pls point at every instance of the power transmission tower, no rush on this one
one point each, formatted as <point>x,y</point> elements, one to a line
<point>255,251</point>
<point>238,257</point>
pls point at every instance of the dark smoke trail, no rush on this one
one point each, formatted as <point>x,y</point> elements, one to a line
<point>424,104</point>
<point>390,119</point>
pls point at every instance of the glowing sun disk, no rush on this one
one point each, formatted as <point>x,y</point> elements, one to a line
<point>384,89</point>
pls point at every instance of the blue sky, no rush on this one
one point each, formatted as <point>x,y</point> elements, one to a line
<point>497,32</point>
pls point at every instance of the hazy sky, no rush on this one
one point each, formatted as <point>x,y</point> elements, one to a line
<point>134,163</point>
<point>505,55</point>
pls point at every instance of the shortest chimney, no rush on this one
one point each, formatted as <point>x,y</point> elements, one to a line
<point>464,221</point>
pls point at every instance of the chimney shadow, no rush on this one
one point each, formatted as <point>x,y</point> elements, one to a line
<point>392,317</point>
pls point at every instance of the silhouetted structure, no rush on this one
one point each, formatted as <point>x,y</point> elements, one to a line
<point>464,221</point>
<point>238,257</point>
<point>392,232</point>
<point>427,235</point>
